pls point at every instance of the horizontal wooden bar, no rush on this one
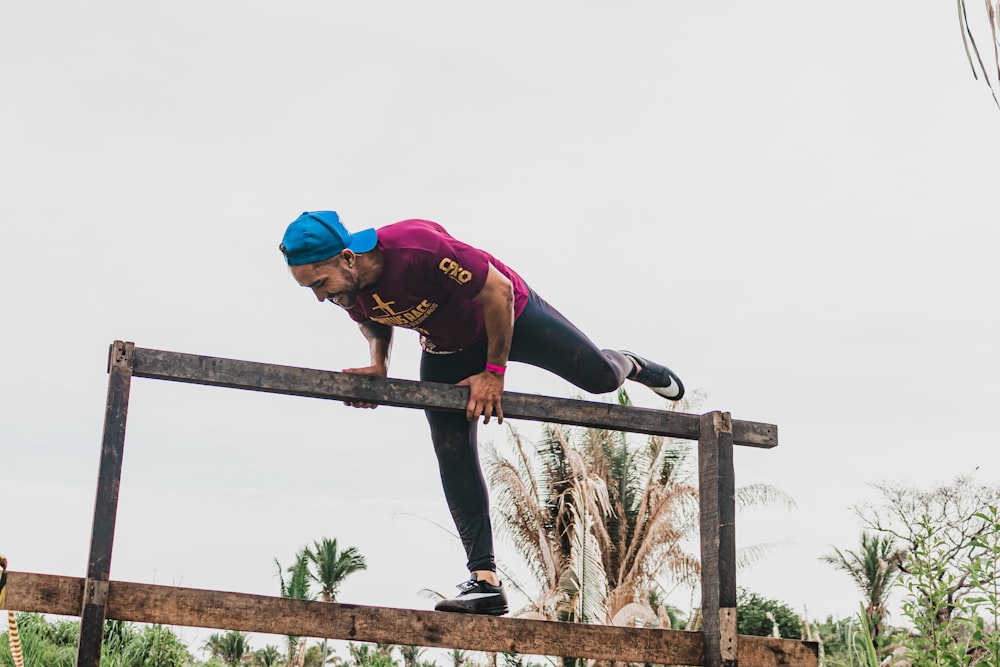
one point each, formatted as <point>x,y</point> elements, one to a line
<point>276,379</point>
<point>168,605</point>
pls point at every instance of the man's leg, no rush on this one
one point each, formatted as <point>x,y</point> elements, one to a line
<point>543,337</point>
<point>456,446</point>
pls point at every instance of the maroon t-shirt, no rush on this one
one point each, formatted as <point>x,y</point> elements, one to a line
<point>428,283</point>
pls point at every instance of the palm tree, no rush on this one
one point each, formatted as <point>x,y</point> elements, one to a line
<point>600,520</point>
<point>269,656</point>
<point>546,503</point>
<point>874,568</point>
<point>458,657</point>
<point>597,520</point>
<point>411,655</point>
<point>296,588</point>
<point>230,647</point>
<point>332,566</point>
<point>362,655</point>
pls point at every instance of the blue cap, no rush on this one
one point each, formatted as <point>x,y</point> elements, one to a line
<point>318,235</point>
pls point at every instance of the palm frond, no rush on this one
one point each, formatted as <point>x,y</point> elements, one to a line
<point>762,495</point>
<point>584,583</point>
<point>521,517</point>
<point>754,553</point>
<point>969,42</point>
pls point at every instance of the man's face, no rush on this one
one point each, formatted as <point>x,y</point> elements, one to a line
<point>335,280</point>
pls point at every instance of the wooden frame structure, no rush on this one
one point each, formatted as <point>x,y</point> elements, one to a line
<point>97,598</point>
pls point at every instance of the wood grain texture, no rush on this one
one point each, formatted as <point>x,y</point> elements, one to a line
<point>102,537</point>
<point>717,502</point>
<point>147,603</point>
<point>273,378</point>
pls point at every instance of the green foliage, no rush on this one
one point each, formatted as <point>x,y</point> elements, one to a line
<point>155,646</point>
<point>296,587</point>
<point>229,647</point>
<point>756,615</point>
<point>54,644</point>
<point>835,637</point>
<point>269,656</point>
<point>411,655</point>
<point>332,566</point>
<point>516,660</point>
<point>874,569</point>
<point>314,656</point>
<point>864,646</point>
<point>955,614</point>
<point>365,655</point>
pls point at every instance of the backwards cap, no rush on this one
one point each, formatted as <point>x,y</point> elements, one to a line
<point>318,235</point>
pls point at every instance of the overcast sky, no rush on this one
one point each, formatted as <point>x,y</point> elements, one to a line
<point>792,204</point>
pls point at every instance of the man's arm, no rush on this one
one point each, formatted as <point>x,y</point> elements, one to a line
<point>486,388</point>
<point>379,337</point>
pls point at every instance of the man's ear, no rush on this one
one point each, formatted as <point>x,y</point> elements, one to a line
<point>349,257</point>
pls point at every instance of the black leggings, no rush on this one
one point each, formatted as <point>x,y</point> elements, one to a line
<point>543,338</point>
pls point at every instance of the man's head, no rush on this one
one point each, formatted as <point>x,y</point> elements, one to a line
<point>322,256</point>
<point>318,235</point>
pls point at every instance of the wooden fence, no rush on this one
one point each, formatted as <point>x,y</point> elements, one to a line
<point>97,598</point>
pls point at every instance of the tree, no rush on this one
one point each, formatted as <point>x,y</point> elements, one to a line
<point>269,656</point>
<point>296,587</point>
<point>957,512</point>
<point>600,519</point>
<point>363,655</point>
<point>411,655</point>
<point>157,645</point>
<point>959,630</point>
<point>459,658</point>
<point>969,40</point>
<point>875,569</point>
<point>332,566</point>
<point>230,647</point>
<point>763,617</point>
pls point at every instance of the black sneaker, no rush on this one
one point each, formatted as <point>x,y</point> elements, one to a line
<point>476,597</point>
<point>659,378</point>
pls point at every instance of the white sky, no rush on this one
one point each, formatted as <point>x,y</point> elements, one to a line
<point>791,204</point>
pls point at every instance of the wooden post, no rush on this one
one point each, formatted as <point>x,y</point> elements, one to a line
<point>95,592</point>
<point>717,491</point>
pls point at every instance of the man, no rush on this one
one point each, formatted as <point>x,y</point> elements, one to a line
<point>474,314</point>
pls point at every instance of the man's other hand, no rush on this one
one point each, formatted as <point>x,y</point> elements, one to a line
<point>375,371</point>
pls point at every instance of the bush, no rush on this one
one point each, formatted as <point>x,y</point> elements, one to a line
<point>752,616</point>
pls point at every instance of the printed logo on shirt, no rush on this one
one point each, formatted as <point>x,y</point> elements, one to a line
<point>410,318</point>
<point>454,271</point>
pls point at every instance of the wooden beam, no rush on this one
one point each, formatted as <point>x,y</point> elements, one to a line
<point>717,500</point>
<point>273,378</point>
<point>146,603</point>
<point>105,505</point>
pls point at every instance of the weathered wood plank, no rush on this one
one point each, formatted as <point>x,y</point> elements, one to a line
<point>773,652</point>
<point>44,593</point>
<point>146,603</point>
<point>273,378</point>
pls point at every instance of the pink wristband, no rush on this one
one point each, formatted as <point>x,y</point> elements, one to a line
<point>493,368</point>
